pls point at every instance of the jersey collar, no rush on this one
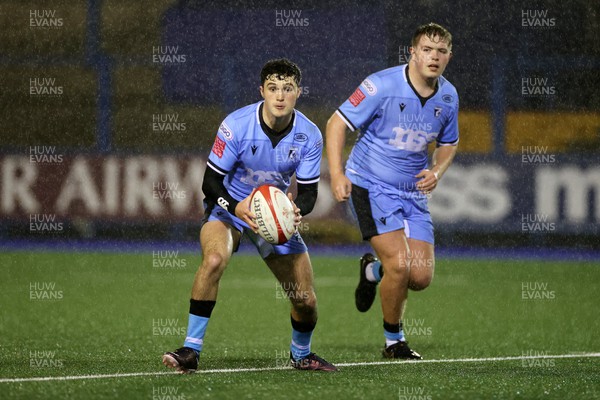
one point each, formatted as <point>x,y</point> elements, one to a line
<point>273,135</point>
<point>422,99</point>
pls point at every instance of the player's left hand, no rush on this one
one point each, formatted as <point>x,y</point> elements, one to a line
<point>298,216</point>
<point>428,181</point>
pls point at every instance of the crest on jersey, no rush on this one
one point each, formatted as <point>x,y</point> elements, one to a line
<point>293,153</point>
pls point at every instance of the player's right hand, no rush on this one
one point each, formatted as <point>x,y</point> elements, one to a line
<point>341,186</point>
<point>242,211</point>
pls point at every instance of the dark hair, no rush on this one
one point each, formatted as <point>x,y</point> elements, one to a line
<point>281,69</point>
<point>432,30</point>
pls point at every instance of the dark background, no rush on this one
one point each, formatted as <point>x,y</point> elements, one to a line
<point>102,55</point>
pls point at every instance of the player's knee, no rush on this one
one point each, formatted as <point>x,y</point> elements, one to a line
<point>421,273</point>
<point>420,282</point>
<point>213,264</point>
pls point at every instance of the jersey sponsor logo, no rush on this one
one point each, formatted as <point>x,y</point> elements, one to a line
<point>258,178</point>
<point>412,140</point>
<point>402,107</point>
<point>447,98</point>
<point>356,97</point>
<point>223,203</point>
<point>253,148</point>
<point>300,137</point>
<point>369,87</point>
<point>437,111</point>
<point>226,131</point>
<point>383,220</point>
<point>219,147</point>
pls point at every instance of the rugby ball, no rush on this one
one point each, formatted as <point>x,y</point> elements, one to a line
<point>274,214</point>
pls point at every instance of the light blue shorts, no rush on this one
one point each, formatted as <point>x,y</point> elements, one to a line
<point>380,211</point>
<point>293,246</point>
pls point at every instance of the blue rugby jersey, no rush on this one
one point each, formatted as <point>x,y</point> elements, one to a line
<point>248,157</point>
<point>396,127</point>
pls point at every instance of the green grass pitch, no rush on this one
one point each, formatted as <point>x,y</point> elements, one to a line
<point>67,315</point>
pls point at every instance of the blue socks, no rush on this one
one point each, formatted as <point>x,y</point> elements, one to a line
<point>195,332</point>
<point>300,346</point>
<point>200,311</point>
<point>374,272</point>
<point>393,333</point>
<point>377,270</point>
<point>301,336</point>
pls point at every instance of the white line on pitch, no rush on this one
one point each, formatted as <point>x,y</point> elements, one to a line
<point>236,370</point>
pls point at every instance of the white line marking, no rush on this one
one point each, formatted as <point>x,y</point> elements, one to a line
<point>352,364</point>
<point>485,359</point>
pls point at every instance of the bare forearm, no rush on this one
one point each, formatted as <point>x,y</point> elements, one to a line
<point>336,139</point>
<point>442,158</point>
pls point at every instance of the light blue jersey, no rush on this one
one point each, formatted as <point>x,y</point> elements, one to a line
<point>249,156</point>
<point>396,127</point>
